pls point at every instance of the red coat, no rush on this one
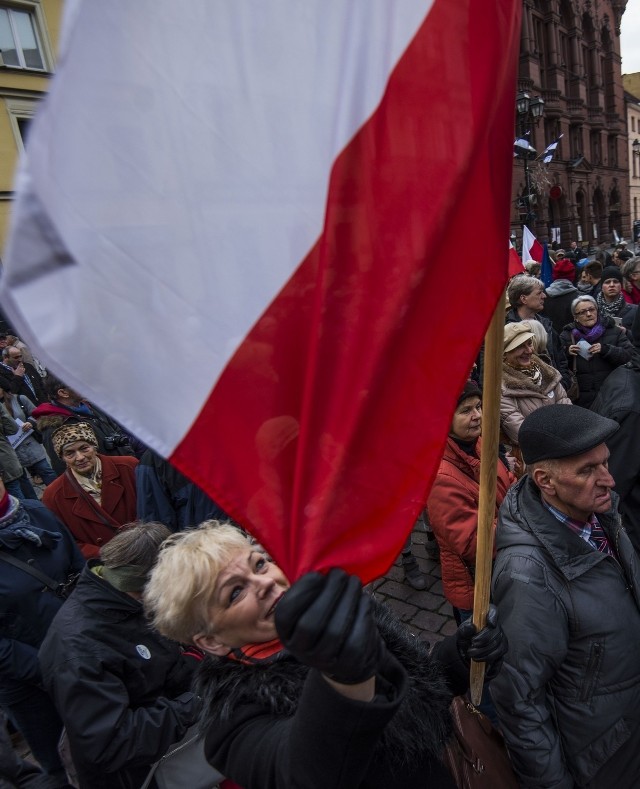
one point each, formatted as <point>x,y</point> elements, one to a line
<point>453,514</point>
<point>118,503</point>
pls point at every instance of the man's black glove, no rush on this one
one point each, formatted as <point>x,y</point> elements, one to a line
<point>326,622</point>
<point>488,646</point>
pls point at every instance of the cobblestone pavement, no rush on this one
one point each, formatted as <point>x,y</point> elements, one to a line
<point>426,613</point>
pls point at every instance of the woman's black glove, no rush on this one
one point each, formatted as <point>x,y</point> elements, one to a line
<point>488,646</point>
<point>326,622</point>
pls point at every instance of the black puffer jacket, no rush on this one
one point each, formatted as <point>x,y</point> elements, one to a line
<point>568,694</point>
<point>616,350</point>
<point>121,689</point>
<point>278,725</point>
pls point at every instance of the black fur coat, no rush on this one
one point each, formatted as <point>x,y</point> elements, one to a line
<point>251,712</point>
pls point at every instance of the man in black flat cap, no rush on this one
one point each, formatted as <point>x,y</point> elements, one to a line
<point>566,583</point>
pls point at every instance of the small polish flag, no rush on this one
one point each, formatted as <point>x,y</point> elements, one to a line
<point>531,247</point>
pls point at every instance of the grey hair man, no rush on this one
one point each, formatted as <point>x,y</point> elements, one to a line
<point>567,586</point>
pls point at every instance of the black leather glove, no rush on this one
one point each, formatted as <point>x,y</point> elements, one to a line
<point>488,646</point>
<point>326,622</point>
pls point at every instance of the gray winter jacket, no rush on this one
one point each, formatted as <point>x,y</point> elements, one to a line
<point>29,451</point>
<point>9,462</point>
<point>568,694</point>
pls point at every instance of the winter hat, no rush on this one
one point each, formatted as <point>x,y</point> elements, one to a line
<point>471,389</point>
<point>582,263</point>
<point>515,334</point>
<point>70,432</point>
<point>562,431</point>
<point>611,272</point>
<point>564,269</point>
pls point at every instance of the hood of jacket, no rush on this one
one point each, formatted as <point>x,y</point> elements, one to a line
<point>560,287</point>
<point>100,596</point>
<point>420,725</point>
<point>524,520</point>
<point>457,457</point>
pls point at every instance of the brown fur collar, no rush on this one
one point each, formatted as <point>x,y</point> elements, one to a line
<point>515,382</point>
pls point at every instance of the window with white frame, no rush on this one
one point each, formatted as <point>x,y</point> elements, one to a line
<point>21,111</point>
<point>20,40</point>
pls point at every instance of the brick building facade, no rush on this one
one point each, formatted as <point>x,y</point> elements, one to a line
<point>570,57</point>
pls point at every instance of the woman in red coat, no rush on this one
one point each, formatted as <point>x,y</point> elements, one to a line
<point>453,501</point>
<point>97,494</point>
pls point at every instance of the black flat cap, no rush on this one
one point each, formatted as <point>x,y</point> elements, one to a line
<point>561,431</point>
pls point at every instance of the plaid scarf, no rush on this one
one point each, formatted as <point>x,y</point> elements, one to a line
<point>612,309</point>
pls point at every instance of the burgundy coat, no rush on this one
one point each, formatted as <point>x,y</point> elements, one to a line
<point>82,520</point>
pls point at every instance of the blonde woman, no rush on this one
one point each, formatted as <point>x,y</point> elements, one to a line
<point>309,684</point>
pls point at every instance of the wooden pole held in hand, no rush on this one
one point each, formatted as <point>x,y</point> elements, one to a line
<point>491,380</point>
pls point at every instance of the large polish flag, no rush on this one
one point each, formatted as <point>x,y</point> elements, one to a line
<point>233,232</point>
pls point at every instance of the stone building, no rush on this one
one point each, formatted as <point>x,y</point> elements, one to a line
<point>570,57</point>
<point>631,84</point>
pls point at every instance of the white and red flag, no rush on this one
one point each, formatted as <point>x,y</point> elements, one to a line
<point>233,232</point>
<point>515,264</point>
<point>532,249</point>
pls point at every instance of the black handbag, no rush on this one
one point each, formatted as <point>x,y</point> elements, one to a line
<point>61,589</point>
<point>573,392</point>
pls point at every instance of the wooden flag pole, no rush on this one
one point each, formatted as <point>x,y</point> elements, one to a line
<point>492,376</point>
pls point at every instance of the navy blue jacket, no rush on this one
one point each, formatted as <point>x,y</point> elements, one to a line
<point>26,606</point>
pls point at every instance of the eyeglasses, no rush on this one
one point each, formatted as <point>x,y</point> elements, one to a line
<point>586,311</point>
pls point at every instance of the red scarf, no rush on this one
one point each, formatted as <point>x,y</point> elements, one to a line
<point>250,654</point>
<point>4,504</point>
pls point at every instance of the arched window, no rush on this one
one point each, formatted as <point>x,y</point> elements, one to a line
<point>600,211</point>
<point>566,61</point>
<point>589,58</point>
<point>608,74</point>
<point>582,231</point>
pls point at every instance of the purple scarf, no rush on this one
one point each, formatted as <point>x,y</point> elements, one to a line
<point>590,335</point>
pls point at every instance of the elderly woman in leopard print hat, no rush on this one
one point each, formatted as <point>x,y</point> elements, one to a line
<point>97,493</point>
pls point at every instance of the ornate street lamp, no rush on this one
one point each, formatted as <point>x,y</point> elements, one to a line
<point>529,110</point>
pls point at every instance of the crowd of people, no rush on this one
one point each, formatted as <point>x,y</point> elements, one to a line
<point>141,630</point>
